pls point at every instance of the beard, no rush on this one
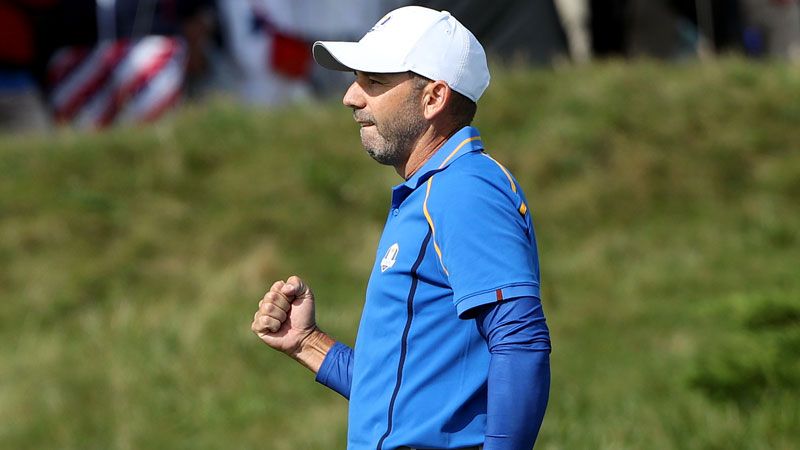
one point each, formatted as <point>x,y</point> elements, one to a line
<point>390,141</point>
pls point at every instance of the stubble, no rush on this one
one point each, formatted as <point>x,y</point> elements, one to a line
<point>393,138</point>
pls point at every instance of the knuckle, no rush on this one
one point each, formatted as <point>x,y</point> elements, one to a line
<point>277,316</point>
<point>279,303</point>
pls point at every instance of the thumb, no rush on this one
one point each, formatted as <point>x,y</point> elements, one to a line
<point>296,287</point>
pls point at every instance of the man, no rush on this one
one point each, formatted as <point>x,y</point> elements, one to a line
<point>452,350</point>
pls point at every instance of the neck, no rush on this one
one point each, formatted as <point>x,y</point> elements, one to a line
<point>425,147</point>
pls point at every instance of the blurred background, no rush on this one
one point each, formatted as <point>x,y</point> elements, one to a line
<point>93,63</point>
<point>162,162</point>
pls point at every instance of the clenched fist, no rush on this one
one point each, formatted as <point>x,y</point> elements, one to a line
<point>285,315</point>
<point>285,321</point>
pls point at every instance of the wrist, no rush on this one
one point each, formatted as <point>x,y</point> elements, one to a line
<point>312,349</point>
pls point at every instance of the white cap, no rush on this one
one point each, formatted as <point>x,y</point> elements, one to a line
<point>413,38</point>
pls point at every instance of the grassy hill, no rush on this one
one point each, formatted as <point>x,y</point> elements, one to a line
<point>666,205</point>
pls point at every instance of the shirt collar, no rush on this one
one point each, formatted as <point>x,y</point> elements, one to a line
<point>465,140</point>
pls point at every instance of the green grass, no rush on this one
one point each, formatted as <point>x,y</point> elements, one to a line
<point>666,205</point>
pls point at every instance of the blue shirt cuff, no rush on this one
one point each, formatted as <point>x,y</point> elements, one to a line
<point>336,371</point>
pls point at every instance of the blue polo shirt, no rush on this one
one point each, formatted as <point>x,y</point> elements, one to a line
<point>459,235</point>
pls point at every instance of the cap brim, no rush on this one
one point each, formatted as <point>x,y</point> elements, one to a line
<point>349,56</point>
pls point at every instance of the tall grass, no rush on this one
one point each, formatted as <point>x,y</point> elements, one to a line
<point>665,202</point>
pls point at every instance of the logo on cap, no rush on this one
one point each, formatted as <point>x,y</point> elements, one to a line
<point>380,24</point>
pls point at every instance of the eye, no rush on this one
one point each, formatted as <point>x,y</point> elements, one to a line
<point>373,81</point>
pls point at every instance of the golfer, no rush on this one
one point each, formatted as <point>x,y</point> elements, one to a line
<point>452,349</point>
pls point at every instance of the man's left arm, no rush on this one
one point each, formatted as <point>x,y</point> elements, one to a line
<point>484,234</point>
<point>519,371</point>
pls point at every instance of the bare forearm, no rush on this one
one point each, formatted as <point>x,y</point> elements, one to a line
<point>313,350</point>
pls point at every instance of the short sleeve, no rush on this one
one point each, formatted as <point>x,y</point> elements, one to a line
<point>483,233</point>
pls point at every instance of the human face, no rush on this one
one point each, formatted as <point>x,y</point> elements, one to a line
<point>388,107</point>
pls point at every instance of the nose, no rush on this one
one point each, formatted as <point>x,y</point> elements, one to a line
<point>354,97</point>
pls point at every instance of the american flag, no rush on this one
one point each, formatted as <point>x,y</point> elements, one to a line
<point>116,81</point>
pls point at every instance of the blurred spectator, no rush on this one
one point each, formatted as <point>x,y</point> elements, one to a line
<point>635,28</point>
<point>514,30</point>
<point>209,69</point>
<point>719,21</point>
<point>654,30</point>
<point>130,60</point>
<point>270,42</point>
<point>609,27</point>
<point>575,18</point>
<point>261,44</point>
<point>773,27</point>
<point>666,29</point>
<point>21,106</point>
<point>342,20</point>
<point>195,21</point>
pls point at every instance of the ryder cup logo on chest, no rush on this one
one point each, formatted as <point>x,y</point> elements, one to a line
<point>390,257</point>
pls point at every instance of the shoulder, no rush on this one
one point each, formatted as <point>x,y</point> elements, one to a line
<point>474,176</point>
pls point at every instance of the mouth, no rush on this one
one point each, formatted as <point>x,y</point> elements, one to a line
<point>363,120</point>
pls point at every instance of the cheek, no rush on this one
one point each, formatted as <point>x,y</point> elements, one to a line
<point>386,108</point>
<point>376,114</point>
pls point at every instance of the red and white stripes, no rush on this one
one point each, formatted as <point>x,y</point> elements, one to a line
<point>116,81</point>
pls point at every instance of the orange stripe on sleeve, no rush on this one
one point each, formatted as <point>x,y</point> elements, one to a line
<point>523,208</point>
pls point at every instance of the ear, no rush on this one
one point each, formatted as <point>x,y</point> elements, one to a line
<point>435,97</point>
